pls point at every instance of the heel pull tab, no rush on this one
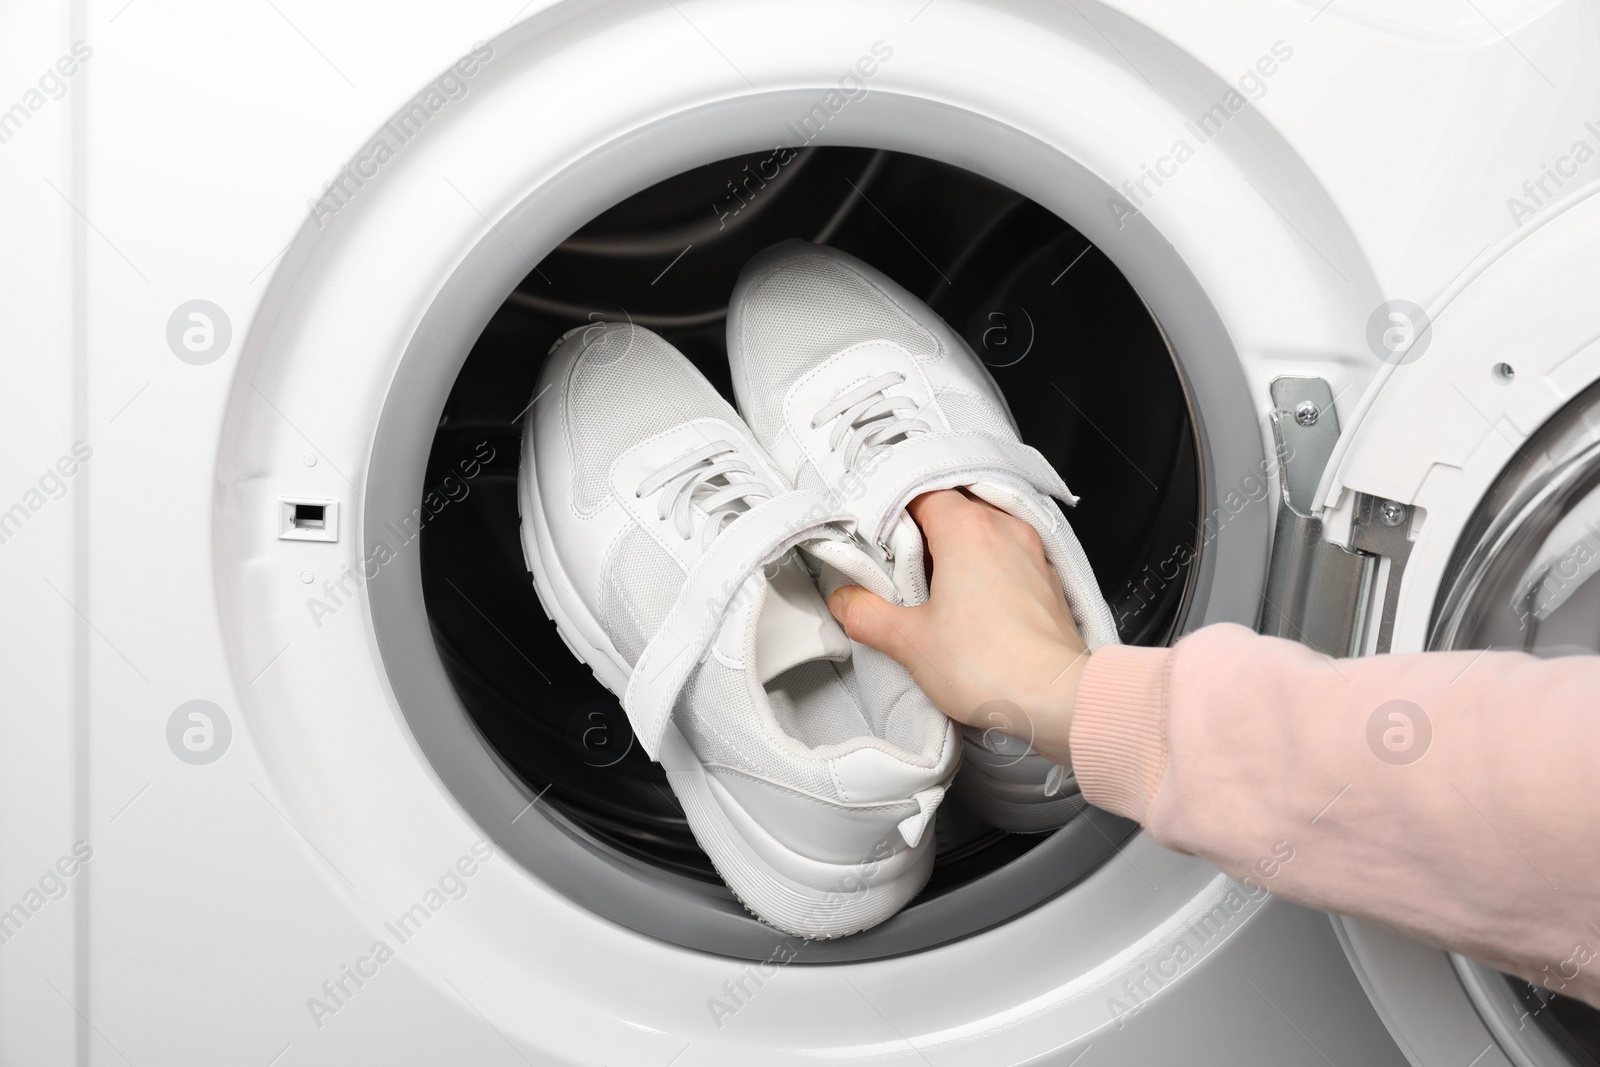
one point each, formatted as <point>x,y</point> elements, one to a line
<point>914,826</point>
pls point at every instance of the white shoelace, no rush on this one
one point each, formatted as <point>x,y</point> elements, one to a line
<point>716,479</point>
<point>870,419</point>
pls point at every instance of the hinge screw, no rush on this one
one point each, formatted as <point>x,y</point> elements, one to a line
<point>1393,514</point>
<point>1306,413</point>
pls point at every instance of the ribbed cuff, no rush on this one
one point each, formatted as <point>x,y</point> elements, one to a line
<point>1119,728</point>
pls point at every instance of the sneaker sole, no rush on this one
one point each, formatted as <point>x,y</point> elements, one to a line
<point>1009,806</point>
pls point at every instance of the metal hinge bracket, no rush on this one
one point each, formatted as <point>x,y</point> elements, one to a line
<point>1320,593</point>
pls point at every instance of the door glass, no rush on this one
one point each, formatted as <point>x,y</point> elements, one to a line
<point>1526,577</point>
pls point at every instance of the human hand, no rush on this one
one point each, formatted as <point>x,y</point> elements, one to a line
<point>995,635</point>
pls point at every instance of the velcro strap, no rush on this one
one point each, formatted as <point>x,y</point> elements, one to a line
<point>754,539</point>
<point>941,461</point>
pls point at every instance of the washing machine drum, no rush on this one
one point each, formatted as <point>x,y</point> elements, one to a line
<point>1064,335</point>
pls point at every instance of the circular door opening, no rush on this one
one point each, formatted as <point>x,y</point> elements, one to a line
<point>1085,368</point>
<point>1524,578</point>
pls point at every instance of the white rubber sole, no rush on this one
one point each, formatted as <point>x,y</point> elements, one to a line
<point>1018,807</point>
<point>809,898</point>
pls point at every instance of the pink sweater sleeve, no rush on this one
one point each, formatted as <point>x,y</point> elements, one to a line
<point>1452,796</point>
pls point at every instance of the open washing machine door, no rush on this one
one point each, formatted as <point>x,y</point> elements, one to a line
<point>342,796</point>
<point>1473,483</point>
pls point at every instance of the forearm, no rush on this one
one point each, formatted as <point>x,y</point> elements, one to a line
<point>1271,761</point>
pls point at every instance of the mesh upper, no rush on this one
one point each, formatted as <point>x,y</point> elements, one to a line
<point>627,385</point>
<point>902,713</point>
<point>641,581</point>
<point>800,313</point>
<point>970,413</point>
<point>717,715</point>
<point>811,706</point>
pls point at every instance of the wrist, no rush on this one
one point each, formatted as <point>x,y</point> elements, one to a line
<point>1052,710</point>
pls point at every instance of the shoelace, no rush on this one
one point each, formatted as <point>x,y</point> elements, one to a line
<point>694,480</point>
<point>870,419</point>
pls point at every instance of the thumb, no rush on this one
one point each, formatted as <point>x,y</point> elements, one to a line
<point>872,620</point>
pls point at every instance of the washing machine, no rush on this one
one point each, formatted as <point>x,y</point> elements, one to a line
<point>1297,294</point>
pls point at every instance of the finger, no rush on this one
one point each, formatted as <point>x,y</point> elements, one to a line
<point>935,506</point>
<point>943,515</point>
<point>868,618</point>
<point>955,524</point>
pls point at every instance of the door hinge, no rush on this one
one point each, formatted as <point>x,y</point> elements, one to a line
<point>1321,593</point>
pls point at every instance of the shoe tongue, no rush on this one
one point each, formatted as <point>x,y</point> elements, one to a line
<point>790,621</point>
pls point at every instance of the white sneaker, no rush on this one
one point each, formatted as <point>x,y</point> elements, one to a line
<point>858,389</point>
<point>661,541</point>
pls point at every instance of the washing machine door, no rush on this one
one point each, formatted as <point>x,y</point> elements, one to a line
<point>1464,513</point>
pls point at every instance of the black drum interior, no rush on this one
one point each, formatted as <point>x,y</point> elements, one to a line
<point>1084,366</point>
